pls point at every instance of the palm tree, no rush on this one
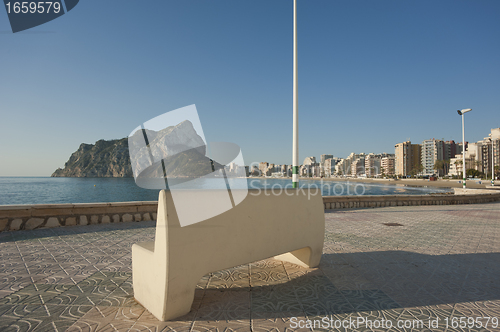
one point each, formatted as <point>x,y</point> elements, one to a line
<point>446,166</point>
<point>438,165</point>
<point>419,169</point>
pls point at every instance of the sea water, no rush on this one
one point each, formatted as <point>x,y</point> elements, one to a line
<point>48,190</point>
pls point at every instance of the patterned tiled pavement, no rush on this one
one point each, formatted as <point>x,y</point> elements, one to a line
<point>433,265</point>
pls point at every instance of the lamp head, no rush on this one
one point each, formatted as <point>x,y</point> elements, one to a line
<point>464,111</point>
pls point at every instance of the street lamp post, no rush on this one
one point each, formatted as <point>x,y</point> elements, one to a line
<point>462,112</point>
<point>295,157</point>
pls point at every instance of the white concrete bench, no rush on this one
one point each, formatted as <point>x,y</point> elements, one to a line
<point>167,270</point>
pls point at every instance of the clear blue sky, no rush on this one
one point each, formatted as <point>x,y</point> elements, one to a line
<point>371,74</point>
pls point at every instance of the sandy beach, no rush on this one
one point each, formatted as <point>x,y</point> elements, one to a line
<point>476,184</point>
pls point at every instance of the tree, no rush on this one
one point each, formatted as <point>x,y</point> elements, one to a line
<point>474,173</point>
<point>438,165</point>
<point>417,169</point>
<point>446,166</point>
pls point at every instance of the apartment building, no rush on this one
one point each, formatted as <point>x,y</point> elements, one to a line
<point>263,167</point>
<point>407,157</point>
<point>373,165</point>
<point>329,166</point>
<point>490,147</point>
<point>358,167</point>
<point>325,157</point>
<point>344,166</point>
<point>432,150</point>
<point>387,164</point>
<point>451,149</point>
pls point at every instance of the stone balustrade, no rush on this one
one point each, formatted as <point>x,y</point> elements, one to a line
<point>26,217</point>
<point>16,217</point>
<point>372,201</point>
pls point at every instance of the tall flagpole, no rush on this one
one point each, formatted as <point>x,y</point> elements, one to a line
<point>492,162</point>
<point>295,169</point>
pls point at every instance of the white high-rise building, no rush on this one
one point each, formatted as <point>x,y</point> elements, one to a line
<point>432,150</point>
<point>387,164</point>
<point>373,165</point>
<point>358,168</point>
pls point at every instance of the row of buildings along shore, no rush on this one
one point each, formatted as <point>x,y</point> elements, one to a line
<point>444,158</point>
<point>431,157</point>
<point>359,165</point>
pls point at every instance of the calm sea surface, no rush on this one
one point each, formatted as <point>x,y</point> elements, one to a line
<point>47,190</point>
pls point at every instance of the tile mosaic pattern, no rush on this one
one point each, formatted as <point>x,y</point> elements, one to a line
<point>440,266</point>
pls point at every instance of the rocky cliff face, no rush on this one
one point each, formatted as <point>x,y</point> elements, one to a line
<point>102,159</point>
<point>180,147</point>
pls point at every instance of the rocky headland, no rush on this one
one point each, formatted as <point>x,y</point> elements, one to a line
<point>102,159</point>
<point>180,147</point>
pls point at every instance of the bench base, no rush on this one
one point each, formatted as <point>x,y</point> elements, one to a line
<point>167,270</point>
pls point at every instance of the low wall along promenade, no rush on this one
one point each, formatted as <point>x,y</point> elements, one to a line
<point>27,217</point>
<point>16,217</point>
<point>368,201</point>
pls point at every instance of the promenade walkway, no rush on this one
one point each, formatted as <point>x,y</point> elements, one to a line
<point>430,265</point>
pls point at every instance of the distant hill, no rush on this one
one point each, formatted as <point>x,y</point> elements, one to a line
<point>112,159</point>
